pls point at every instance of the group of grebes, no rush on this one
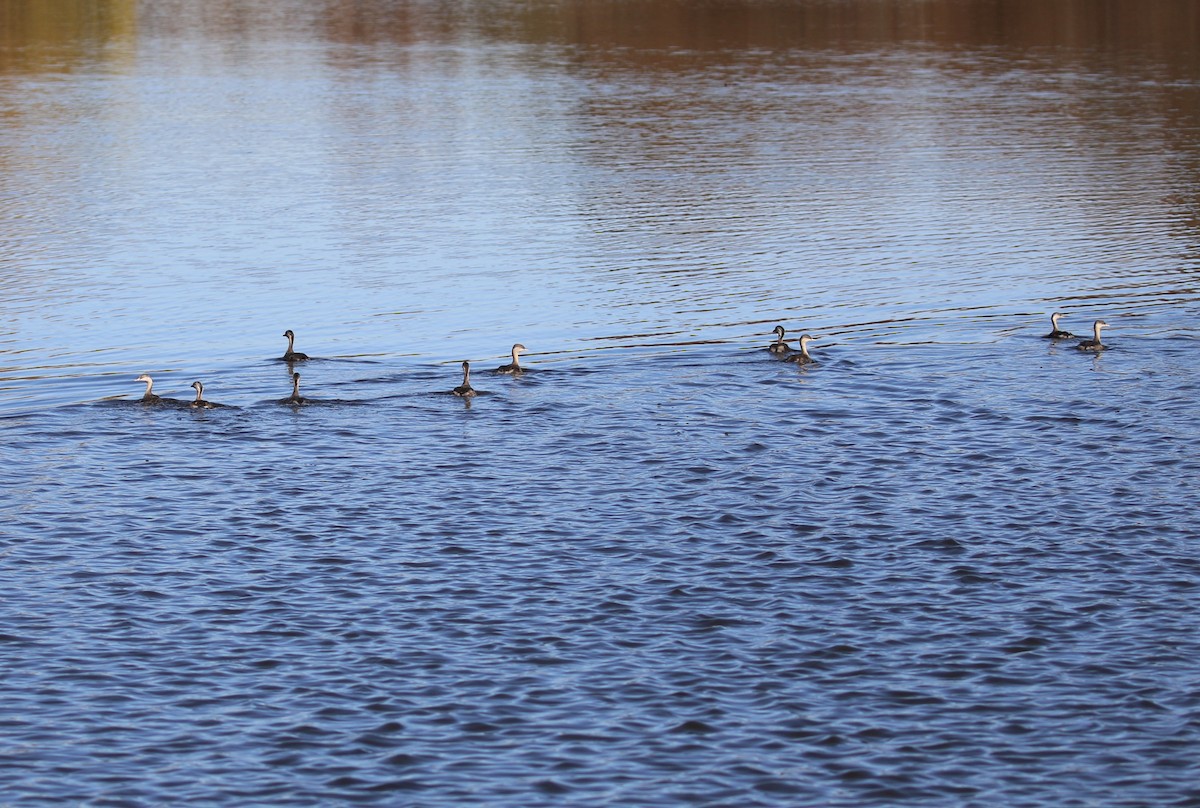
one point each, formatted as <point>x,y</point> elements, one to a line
<point>778,348</point>
<point>291,356</point>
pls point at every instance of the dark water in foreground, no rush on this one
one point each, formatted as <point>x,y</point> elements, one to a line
<point>926,576</point>
<point>952,563</point>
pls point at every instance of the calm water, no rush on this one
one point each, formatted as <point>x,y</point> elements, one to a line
<point>952,563</point>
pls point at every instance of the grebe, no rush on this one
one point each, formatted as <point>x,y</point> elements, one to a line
<point>465,390</point>
<point>290,355</point>
<point>803,357</point>
<point>200,402</point>
<point>148,397</point>
<point>779,346</point>
<point>515,366</point>
<point>295,397</point>
<point>1055,331</point>
<point>1094,344</point>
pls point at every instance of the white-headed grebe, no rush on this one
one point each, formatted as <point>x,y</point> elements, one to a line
<point>1055,331</point>
<point>1094,344</point>
<point>148,397</point>
<point>779,346</point>
<point>200,403</point>
<point>514,366</point>
<point>291,355</point>
<point>802,357</point>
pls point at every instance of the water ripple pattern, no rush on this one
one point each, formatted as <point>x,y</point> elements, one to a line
<point>928,581</point>
<point>952,563</point>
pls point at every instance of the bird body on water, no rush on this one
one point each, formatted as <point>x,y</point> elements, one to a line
<point>513,367</point>
<point>1094,344</point>
<point>295,397</point>
<point>200,403</point>
<point>802,357</point>
<point>465,390</point>
<point>292,355</point>
<point>149,396</point>
<point>1055,331</point>
<point>779,347</point>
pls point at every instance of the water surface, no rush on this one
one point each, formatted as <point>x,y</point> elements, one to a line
<point>952,562</point>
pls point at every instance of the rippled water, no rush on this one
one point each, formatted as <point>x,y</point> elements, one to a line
<point>951,563</point>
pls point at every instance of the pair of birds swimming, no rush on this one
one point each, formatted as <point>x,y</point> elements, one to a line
<point>150,397</point>
<point>465,390</point>
<point>780,348</point>
<point>291,355</point>
<point>1093,344</point>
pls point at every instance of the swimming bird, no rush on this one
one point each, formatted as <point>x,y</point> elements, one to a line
<point>148,397</point>
<point>515,366</point>
<point>465,390</point>
<point>1094,344</point>
<point>779,346</point>
<point>803,357</point>
<point>295,397</point>
<point>200,402</point>
<point>1055,331</point>
<point>291,355</point>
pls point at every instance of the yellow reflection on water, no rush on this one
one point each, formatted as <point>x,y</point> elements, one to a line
<point>40,35</point>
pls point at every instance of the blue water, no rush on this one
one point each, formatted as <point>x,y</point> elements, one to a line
<point>950,563</point>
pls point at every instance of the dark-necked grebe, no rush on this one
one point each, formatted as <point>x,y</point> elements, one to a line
<point>1055,331</point>
<point>802,357</point>
<point>295,397</point>
<point>1094,344</point>
<point>465,390</point>
<point>515,365</point>
<point>200,403</point>
<point>148,397</point>
<point>779,346</point>
<point>291,355</point>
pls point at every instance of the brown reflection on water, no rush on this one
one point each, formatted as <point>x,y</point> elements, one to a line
<point>1163,28</point>
<point>1167,31</point>
<point>1111,32</point>
<point>51,35</point>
